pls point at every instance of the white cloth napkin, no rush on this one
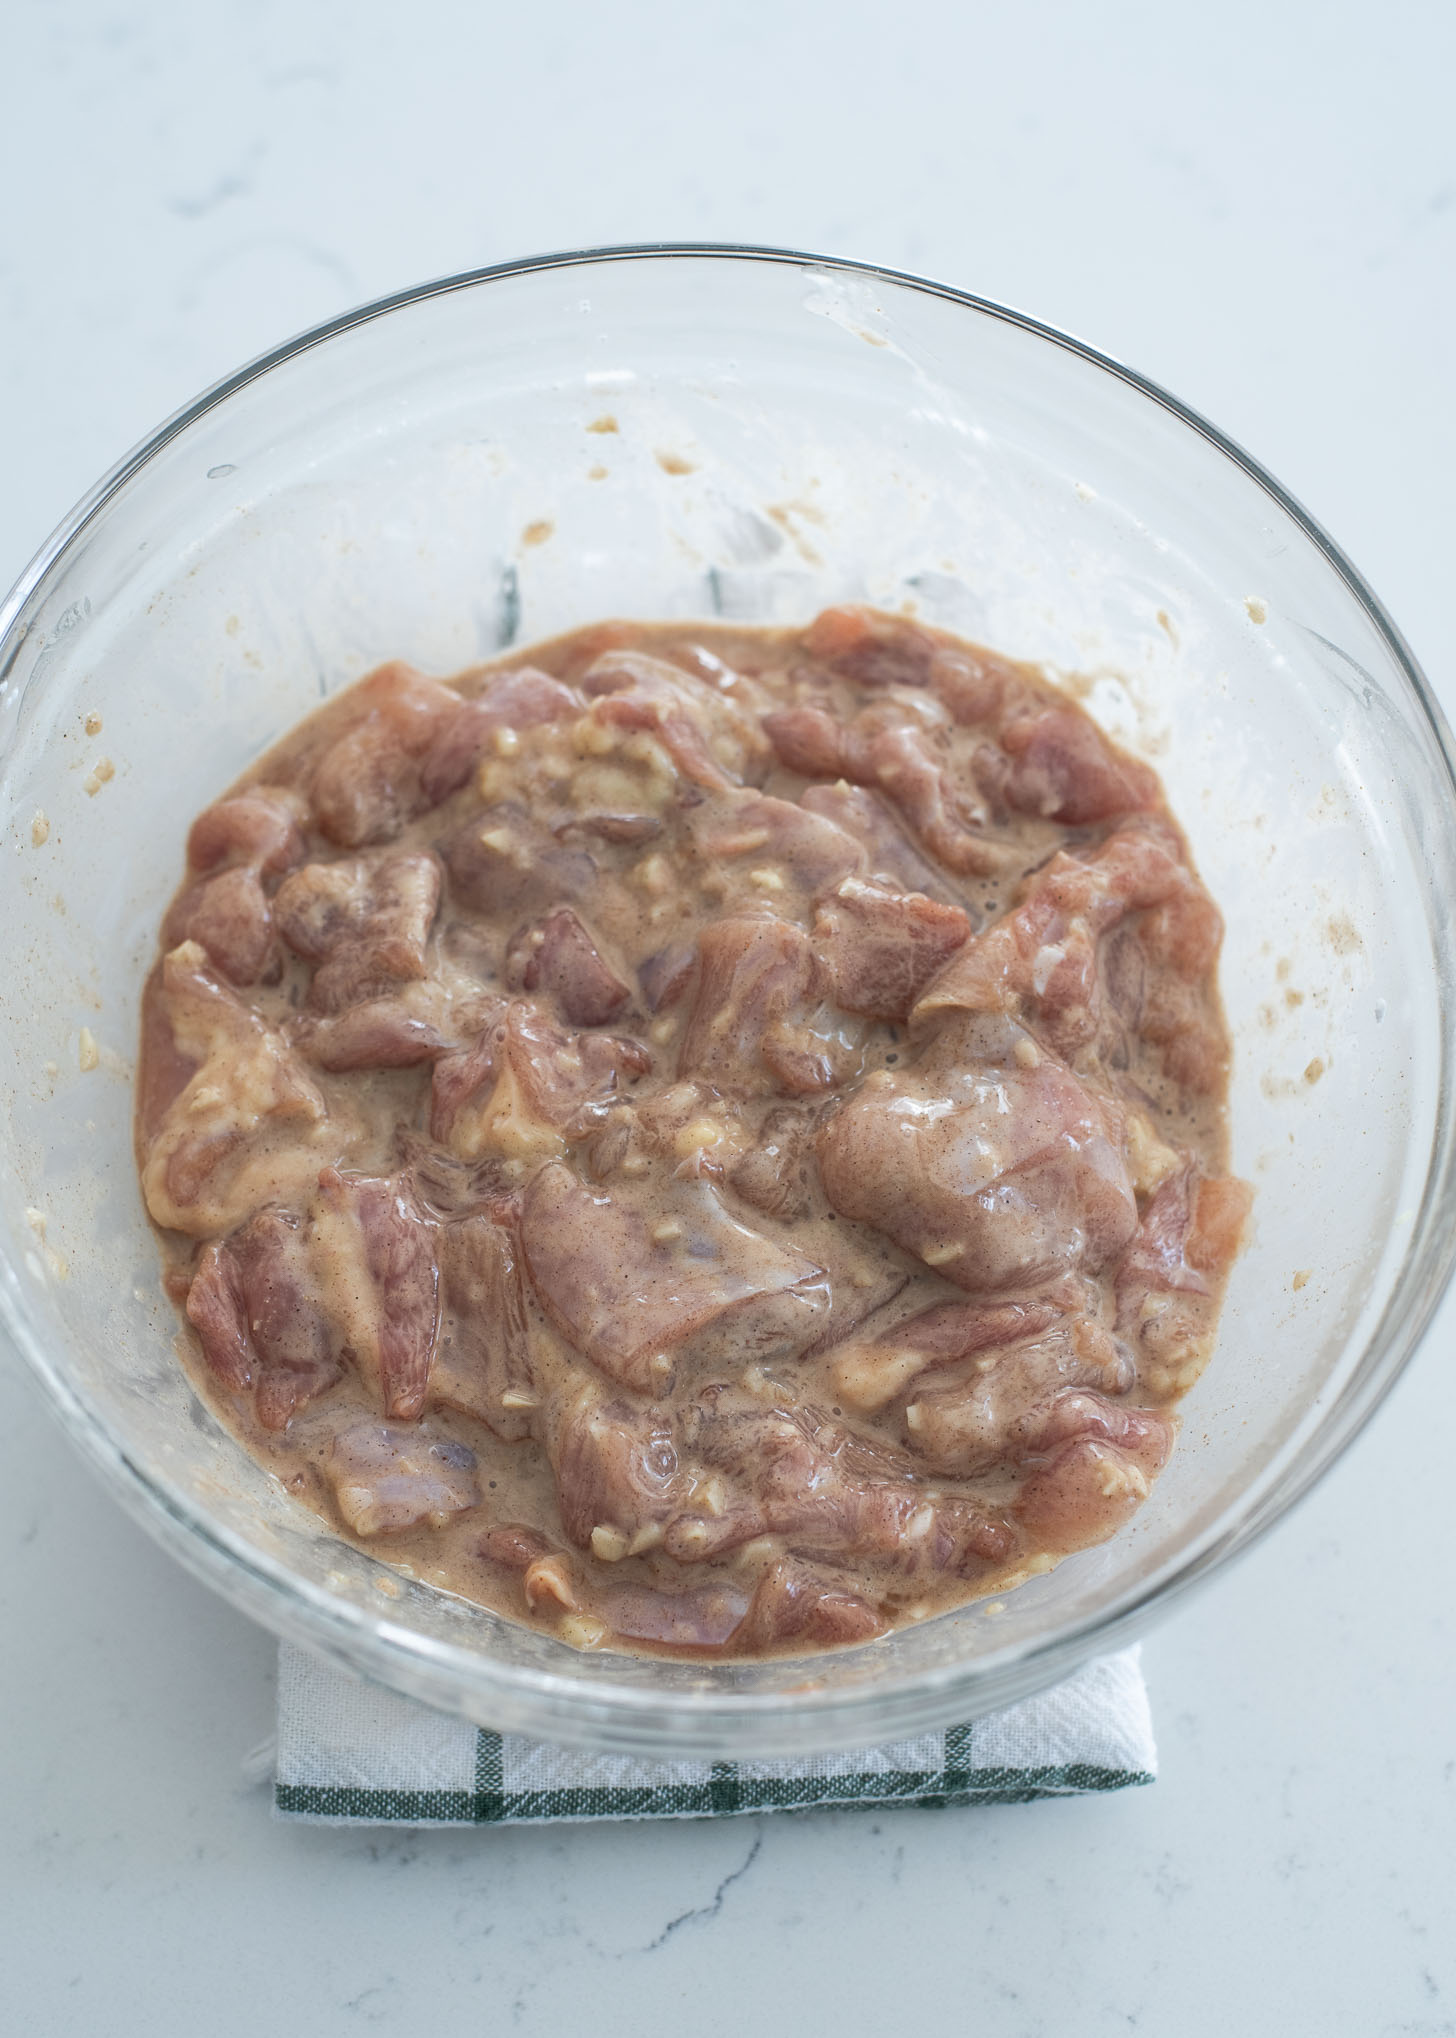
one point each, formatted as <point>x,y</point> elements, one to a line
<point>351,1753</point>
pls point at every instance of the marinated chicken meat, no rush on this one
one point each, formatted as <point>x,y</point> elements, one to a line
<point>701,1140</point>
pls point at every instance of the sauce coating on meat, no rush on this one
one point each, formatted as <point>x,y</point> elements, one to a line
<point>699,1139</point>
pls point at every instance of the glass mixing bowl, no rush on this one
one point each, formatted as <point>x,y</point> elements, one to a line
<point>746,434</point>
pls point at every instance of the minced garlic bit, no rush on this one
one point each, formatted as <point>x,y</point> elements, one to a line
<point>40,829</point>
<point>100,774</point>
<point>665,1231</point>
<point>942,1255</point>
<point>607,788</point>
<point>608,1543</point>
<point>1152,1160</point>
<point>653,874</point>
<point>643,749</point>
<point>89,1054</point>
<point>702,1132</point>
<point>93,724</point>
<point>593,738</point>
<point>1117,1481</point>
<point>582,1632</point>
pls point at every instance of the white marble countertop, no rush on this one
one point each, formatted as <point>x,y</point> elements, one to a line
<point>1255,204</point>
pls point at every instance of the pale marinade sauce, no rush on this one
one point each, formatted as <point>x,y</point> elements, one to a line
<point>697,1137</point>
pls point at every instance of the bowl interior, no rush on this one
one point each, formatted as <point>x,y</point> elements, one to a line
<point>699,435</point>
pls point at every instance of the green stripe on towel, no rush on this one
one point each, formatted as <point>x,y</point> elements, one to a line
<point>351,1753</point>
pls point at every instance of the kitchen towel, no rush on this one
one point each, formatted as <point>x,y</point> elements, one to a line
<point>350,1753</point>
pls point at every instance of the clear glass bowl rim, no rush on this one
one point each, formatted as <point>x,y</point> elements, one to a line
<point>714,1722</point>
